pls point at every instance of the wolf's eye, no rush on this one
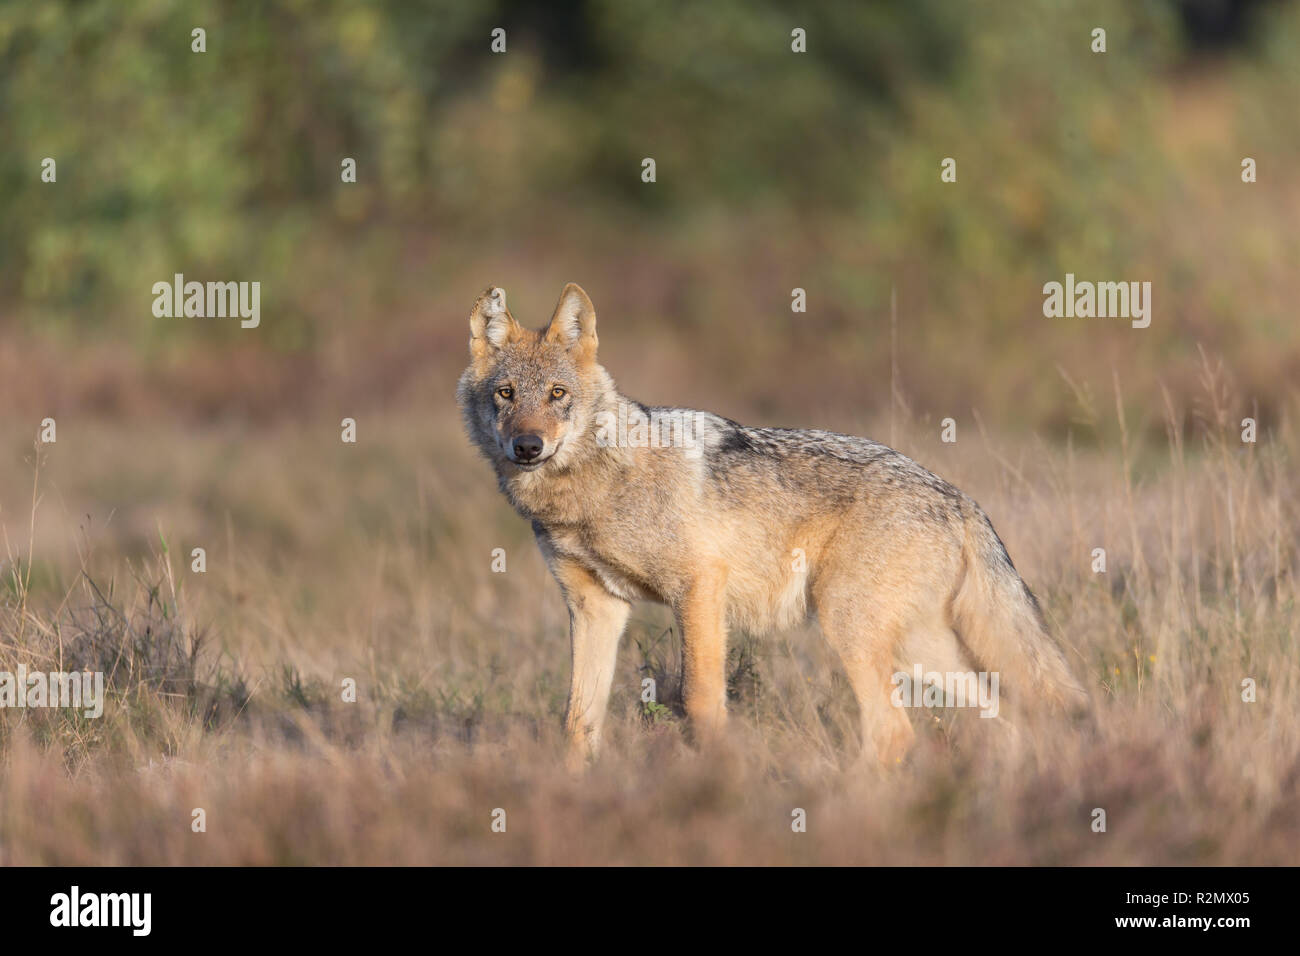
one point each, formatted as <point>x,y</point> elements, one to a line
<point>557,391</point>
<point>506,392</point>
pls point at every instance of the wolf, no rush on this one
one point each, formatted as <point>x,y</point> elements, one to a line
<point>739,528</point>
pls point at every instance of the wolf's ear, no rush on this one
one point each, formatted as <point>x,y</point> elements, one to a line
<point>574,322</point>
<point>491,325</point>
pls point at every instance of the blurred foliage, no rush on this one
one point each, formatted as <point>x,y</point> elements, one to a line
<point>226,164</point>
<point>228,160</point>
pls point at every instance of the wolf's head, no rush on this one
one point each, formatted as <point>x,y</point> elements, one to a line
<point>530,398</point>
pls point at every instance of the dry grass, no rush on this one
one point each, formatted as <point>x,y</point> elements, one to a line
<point>328,561</point>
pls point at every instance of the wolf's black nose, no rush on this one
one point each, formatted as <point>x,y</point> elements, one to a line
<point>527,447</point>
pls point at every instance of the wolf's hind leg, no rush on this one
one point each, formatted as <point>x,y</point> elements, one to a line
<point>867,644</point>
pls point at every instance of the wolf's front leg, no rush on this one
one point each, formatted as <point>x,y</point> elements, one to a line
<point>596,622</point>
<point>701,616</point>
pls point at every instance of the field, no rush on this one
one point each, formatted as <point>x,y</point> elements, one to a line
<point>348,679</point>
<point>372,561</point>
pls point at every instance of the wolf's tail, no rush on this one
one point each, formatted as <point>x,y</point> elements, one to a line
<point>998,617</point>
